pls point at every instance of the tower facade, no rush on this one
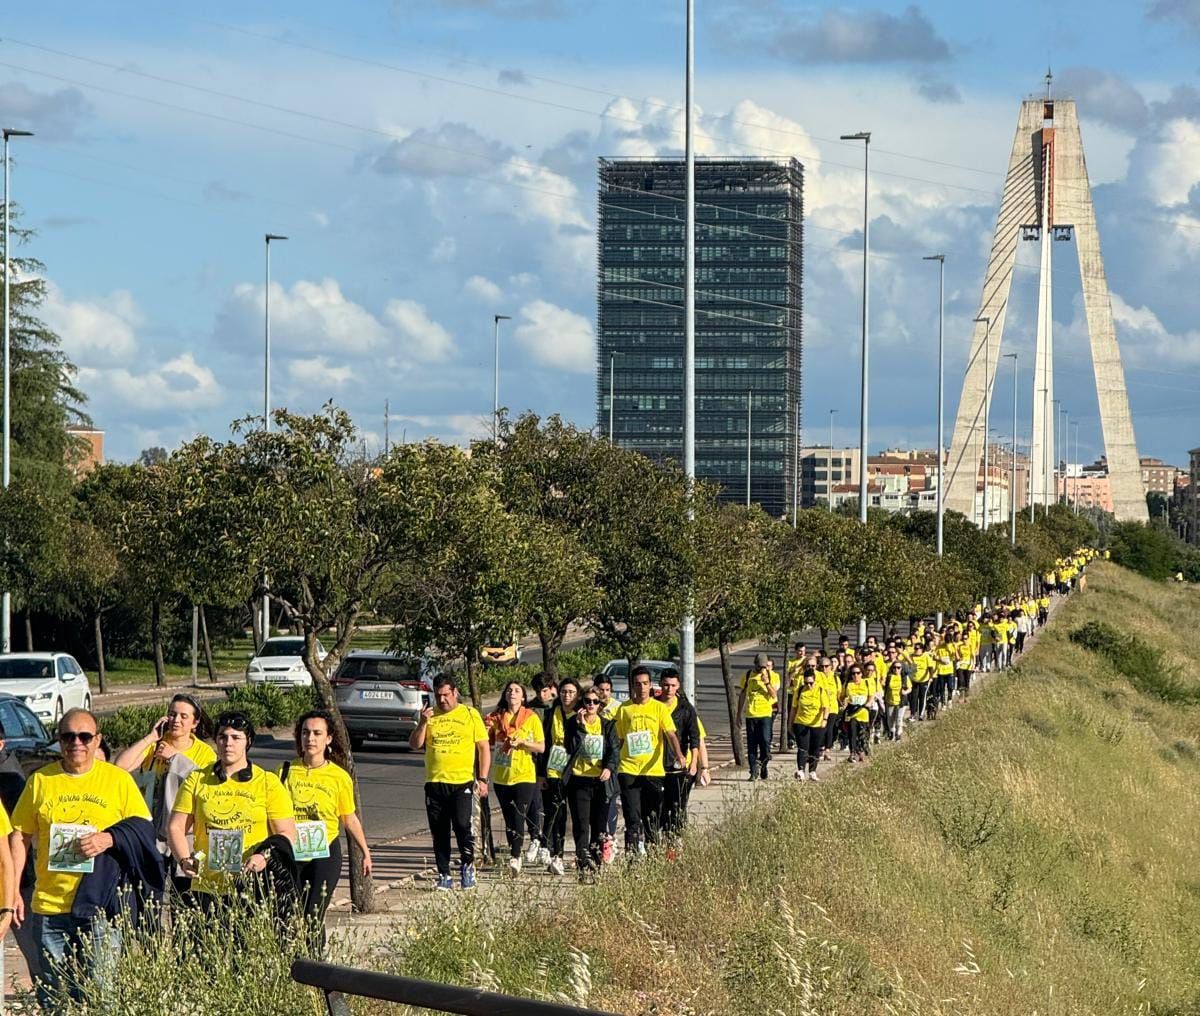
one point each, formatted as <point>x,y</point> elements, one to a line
<point>749,269</point>
<point>1047,198</point>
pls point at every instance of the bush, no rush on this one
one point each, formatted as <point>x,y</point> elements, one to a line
<point>269,706</point>
<point>1145,549</point>
<point>1145,666</point>
<point>130,723</point>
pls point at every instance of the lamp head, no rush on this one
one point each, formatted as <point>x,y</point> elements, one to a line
<point>941,258</point>
<point>860,136</point>
<point>11,132</point>
<point>501,317</point>
<point>273,236</point>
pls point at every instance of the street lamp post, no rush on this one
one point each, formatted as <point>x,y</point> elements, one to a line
<point>796,471</point>
<point>612,390</point>
<point>1066,449</point>
<point>941,494</point>
<point>987,405</point>
<point>687,630</point>
<point>5,600</point>
<point>496,319</point>
<point>1057,404</point>
<point>829,470</point>
<point>749,442</point>
<point>1012,481</point>
<point>267,238</point>
<point>1079,469</point>
<point>865,138</point>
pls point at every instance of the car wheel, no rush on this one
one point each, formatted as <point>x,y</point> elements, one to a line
<point>58,711</point>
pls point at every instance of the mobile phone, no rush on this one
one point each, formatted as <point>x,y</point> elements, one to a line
<point>161,728</point>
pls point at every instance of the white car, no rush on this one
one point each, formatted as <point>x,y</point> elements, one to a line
<point>48,683</point>
<point>279,662</point>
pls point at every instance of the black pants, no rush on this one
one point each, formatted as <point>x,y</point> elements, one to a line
<point>317,880</point>
<point>641,803</point>
<point>554,817</point>
<point>515,802</point>
<point>588,798</point>
<point>677,788</point>
<point>1020,642</point>
<point>920,692</point>
<point>809,742</point>
<point>449,806</point>
<point>831,726</point>
<point>858,736</point>
<point>758,744</point>
<point>964,682</point>
<point>533,817</point>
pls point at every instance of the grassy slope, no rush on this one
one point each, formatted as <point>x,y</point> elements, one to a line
<point>1036,852</point>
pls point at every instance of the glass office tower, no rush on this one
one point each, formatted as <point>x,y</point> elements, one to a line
<point>749,268</point>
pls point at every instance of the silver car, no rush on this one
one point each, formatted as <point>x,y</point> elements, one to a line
<point>617,671</point>
<point>381,695</point>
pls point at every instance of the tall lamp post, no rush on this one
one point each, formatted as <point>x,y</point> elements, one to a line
<point>829,471</point>
<point>1078,467</point>
<point>941,494</point>
<point>749,441</point>
<point>687,630</point>
<point>496,319</point>
<point>865,138</point>
<point>987,405</point>
<point>1012,481</point>
<point>5,600</point>
<point>796,471</point>
<point>612,390</point>
<point>1057,404</point>
<point>267,238</point>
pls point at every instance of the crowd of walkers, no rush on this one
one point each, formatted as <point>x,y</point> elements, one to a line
<point>169,823</point>
<point>570,750</point>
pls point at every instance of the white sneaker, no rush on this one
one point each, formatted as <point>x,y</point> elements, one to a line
<point>814,777</point>
<point>798,774</point>
<point>531,853</point>
<point>514,866</point>
<point>555,867</point>
<point>543,855</point>
<point>801,775</point>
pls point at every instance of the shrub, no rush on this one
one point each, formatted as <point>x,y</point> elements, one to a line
<point>1144,665</point>
<point>130,723</point>
<point>269,706</point>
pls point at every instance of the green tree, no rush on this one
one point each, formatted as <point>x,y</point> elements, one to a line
<point>1145,549</point>
<point>33,519</point>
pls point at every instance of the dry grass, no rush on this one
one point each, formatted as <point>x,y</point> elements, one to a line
<point>1033,853</point>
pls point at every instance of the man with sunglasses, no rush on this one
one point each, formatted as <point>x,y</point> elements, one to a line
<point>63,813</point>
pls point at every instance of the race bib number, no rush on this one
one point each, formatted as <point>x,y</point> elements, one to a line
<point>558,758</point>
<point>225,849</point>
<point>858,700</point>
<point>64,852</point>
<point>639,743</point>
<point>503,758</point>
<point>593,747</point>
<point>312,841</point>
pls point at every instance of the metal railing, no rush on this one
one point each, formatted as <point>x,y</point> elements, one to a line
<point>337,982</point>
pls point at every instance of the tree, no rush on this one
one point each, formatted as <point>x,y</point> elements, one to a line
<point>45,398</point>
<point>1145,549</point>
<point>155,456</point>
<point>33,518</point>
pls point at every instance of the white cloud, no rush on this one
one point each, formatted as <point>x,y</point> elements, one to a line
<point>317,371</point>
<point>445,249</point>
<point>93,332</point>
<point>557,337</point>
<point>422,337</point>
<point>178,385</point>
<point>1145,340</point>
<point>483,289</point>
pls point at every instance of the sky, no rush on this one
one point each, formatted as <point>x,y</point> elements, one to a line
<point>433,163</point>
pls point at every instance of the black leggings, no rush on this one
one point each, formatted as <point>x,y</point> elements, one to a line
<point>515,802</point>
<point>588,798</point>
<point>449,807</point>
<point>317,880</point>
<point>920,692</point>
<point>554,817</point>
<point>858,736</point>
<point>831,726</point>
<point>809,741</point>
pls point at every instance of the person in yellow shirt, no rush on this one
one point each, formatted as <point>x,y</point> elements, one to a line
<point>944,655</point>
<point>757,702</point>
<point>923,673</point>
<point>831,684</point>
<point>233,808</point>
<point>645,730</point>
<point>795,678</point>
<point>551,765</point>
<point>590,779</point>
<point>516,736</point>
<point>458,759</point>
<point>964,664</point>
<point>322,796</point>
<point>809,715</point>
<point>895,687</point>
<point>64,813</point>
<point>855,695</point>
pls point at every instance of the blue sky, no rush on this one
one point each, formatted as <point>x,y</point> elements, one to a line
<point>433,162</point>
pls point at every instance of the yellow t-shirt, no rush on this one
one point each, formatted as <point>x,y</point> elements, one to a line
<point>5,829</point>
<point>966,656</point>
<point>641,726</point>
<point>556,745</point>
<point>200,754</point>
<point>591,753</point>
<point>809,705</point>
<point>758,702</point>
<point>512,768</point>
<point>922,665</point>
<point>450,740</point>
<point>323,794</point>
<point>857,711</point>
<point>829,690</point>
<point>946,653</point>
<point>100,798</point>
<point>893,688</point>
<point>218,804</point>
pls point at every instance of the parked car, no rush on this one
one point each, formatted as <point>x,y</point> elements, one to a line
<point>501,651</point>
<point>279,661</point>
<point>48,683</point>
<point>381,695</point>
<point>618,672</point>
<point>27,743</point>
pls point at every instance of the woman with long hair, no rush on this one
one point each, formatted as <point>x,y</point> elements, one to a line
<point>855,694</point>
<point>590,779</point>
<point>182,731</point>
<point>552,763</point>
<point>516,736</point>
<point>322,796</point>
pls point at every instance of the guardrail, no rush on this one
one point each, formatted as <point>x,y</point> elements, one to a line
<point>337,982</point>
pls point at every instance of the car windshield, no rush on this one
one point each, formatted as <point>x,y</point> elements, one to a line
<point>380,669</point>
<point>617,669</point>
<point>282,647</point>
<point>26,670</point>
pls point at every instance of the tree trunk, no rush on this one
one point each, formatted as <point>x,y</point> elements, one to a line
<point>731,700</point>
<point>255,627</point>
<point>824,641</point>
<point>160,667</point>
<point>362,889</point>
<point>208,660</point>
<point>473,678</point>
<point>28,632</point>
<point>551,643</point>
<point>98,632</point>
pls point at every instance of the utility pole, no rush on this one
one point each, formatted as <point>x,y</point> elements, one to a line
<point>687,631</point>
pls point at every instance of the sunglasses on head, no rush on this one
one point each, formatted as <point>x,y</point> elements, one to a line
<point>82,736</point>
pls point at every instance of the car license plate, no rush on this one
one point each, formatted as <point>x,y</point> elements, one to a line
<point>281,678</point>
<point>375,694</point>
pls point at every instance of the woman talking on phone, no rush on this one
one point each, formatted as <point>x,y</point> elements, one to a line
<point>323,799</point>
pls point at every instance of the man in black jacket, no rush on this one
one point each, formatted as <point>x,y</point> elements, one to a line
<point>680,772</point>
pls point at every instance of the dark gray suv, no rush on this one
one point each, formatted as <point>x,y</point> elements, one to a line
<point>381,695</point>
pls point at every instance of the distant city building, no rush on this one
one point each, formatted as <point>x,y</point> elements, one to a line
<point>86,452</point>
<point>749,270</point>
<point>1088,487</point>
<point>1189,507</point>
<point>817,474</point>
